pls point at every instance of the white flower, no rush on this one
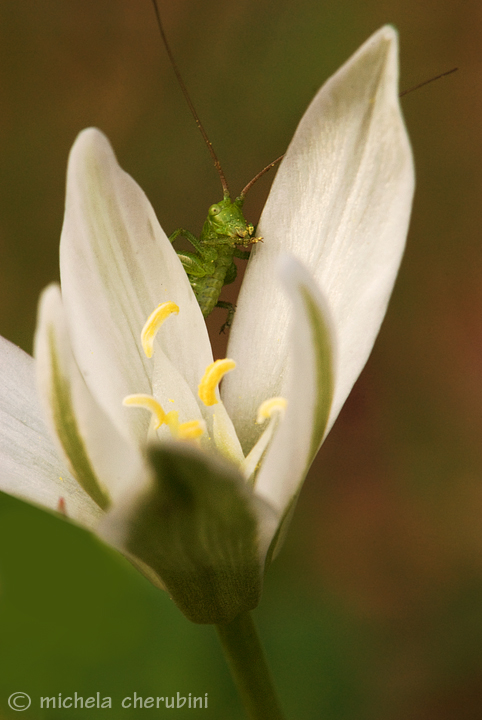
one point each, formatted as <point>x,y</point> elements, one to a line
<point>203,516</point>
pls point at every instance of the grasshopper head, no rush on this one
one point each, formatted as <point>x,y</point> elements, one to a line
<point>227,224</point>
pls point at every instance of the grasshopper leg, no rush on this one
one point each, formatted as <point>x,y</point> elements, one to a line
<point>231,274</point>
<point>192,264</point>
<point>242,254</point>
<point>180,232</point>
<point>229,318</point>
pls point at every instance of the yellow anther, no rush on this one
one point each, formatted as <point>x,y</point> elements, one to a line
<point>211,379</point>
<point>148,403</point>
<point>270,406</point>
<point>154,322</point>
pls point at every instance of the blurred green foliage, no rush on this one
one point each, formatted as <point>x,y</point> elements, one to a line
<point>374,608</point>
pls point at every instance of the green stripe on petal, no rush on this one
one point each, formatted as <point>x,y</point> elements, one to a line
<point>103,461</point>
<point>308,390</point>
<point>322,347</point>
<point>67,430</point>
<point>30,466</point>
<point>325,386</point>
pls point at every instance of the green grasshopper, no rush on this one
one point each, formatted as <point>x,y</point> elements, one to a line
<point>212,265</point>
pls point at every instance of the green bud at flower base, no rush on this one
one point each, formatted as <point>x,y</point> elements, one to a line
<point>196,526</point>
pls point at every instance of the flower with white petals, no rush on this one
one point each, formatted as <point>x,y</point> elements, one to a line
<point>193,484</point>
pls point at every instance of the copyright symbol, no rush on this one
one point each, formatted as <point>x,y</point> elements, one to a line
<point>19,701</point>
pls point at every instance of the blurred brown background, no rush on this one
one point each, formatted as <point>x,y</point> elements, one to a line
<point>374,609</point>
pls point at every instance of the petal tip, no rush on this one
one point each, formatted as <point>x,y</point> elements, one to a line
<point>389,33</point>
<point>386,35</point>
<point>89,143</point>
<point>383,42</point>
<point>90,136</point>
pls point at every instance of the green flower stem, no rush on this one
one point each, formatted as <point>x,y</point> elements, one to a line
<point>247,662</point>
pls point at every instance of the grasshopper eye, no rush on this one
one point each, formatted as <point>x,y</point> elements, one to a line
<point>214,210</point>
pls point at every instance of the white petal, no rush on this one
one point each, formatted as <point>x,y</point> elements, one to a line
<point>340,203</point>
<point>30,467</point>
<point>309,391</point>
<point>117,265</point>
<point>101,459</point>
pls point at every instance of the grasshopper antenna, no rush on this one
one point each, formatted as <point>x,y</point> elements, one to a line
<point>275,162</point>
<point>244,191</point>
<point>187,97</point>
<point>426,82</point>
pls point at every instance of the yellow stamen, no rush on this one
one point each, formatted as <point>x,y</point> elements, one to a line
<point>273,410</point>
<point>148,403</point>
<point>268,407</point>
<point>154,322</point>
<point>211,379</point>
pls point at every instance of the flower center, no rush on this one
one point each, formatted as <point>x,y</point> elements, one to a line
<point>272,410</point>
<point>190,430</point>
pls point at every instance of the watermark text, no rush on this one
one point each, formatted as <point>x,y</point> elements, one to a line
<point>20,701</point>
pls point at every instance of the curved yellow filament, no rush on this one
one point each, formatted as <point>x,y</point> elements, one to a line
<point>211,379</point>
<point>153,323</point>
<point>273,410</point>
<point>148,403</point>
<point>270,406</point>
